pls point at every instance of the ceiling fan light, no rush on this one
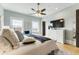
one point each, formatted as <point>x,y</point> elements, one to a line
<point>38,14</point>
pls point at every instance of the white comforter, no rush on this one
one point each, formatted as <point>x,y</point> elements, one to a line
<point>35,49</point>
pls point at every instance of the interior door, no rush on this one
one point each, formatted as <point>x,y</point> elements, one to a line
<point>43,28</point>
<point>77,28</point>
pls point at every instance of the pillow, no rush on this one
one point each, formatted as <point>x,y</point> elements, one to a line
<point>28,40</point>
<point>20,35</point>
<point>11,36</point>
<point>5,46</point>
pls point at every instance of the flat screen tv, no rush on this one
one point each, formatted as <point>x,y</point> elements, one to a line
<point>58,23</point>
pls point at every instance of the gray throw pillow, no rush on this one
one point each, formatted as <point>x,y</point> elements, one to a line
<point>20,35</point>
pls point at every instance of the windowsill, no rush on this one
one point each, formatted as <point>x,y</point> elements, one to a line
<point>36,33</point>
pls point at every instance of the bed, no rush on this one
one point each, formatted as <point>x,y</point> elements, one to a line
<point>18,48</point>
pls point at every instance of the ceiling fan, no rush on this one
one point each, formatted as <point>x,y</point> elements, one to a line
<point>39,11</point>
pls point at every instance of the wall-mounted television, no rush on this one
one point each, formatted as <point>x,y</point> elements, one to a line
<point>59,23</point>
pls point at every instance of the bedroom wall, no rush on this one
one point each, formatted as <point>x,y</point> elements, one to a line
<point>1,16</point>
<point>27,19</point>
<point>69,15</point>
<point>1,10</point>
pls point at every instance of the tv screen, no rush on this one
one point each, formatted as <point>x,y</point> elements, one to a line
<point>58,23</point>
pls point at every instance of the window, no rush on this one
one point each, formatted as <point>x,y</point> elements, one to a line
<point>17,24</point>
<point>35,26</point>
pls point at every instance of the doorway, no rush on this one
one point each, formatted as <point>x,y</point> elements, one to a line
<point>43,28</point>
<point>77,28</point>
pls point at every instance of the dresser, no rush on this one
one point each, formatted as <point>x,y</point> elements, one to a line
<point>58,35</point>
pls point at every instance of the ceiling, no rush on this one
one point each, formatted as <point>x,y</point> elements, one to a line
<point>26,7</point>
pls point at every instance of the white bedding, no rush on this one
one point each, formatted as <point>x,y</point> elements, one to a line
<point>35,49</point>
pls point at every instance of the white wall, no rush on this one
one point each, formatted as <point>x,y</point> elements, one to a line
<point>1,10</point>
<point>1,16</point>
<point>69,15</point>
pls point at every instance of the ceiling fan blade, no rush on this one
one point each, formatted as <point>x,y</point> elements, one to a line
<point>43,10</point>
<point>42,13</point>
<point>33,9</point>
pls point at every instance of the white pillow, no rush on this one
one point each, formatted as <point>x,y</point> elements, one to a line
<point>28,39</point>
<point>11,36</point>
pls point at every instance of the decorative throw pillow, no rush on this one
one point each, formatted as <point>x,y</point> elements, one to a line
<point>20,35</point>
<point>5,46</point>
<point>11,36</point>
<point>28,40</point>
